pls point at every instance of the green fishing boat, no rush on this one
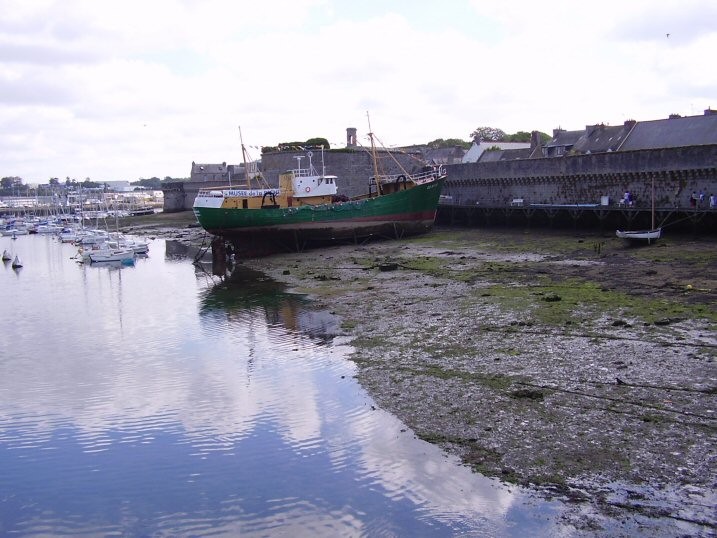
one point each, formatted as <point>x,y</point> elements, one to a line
<point>307,208</point>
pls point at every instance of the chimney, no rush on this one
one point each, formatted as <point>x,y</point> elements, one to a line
<point>535,141</point>
<point>710,112</point>
<point>630,123</point>
<point>557,131</point>
<point>674,116</point>
<point>590,129</point>
<point>351,137</point>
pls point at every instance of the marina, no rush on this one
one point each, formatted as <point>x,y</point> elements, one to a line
<point>158,399</point>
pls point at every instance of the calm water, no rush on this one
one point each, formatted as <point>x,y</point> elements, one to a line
<point>159,400</point>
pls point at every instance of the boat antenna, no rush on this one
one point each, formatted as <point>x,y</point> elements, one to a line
<point>310,154</point>
<point>373,155</point>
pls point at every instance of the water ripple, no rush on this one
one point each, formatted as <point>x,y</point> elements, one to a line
<point>154,402</point>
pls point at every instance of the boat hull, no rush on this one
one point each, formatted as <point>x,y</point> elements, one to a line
<point>640,236</point>
<point>99,256</point>
<point>405,212</point>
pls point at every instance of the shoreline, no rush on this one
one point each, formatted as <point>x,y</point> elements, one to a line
<point>563,361</point>
<point>568,363</point>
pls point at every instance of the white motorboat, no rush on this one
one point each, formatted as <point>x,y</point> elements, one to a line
<point>13,231</point>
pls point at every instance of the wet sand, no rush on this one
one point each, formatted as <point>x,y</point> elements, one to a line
<point>568,362</point>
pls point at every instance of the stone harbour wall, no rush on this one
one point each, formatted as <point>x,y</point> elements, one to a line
<point>584,179</point>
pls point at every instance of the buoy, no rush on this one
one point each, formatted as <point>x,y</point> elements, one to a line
<point>308,189</point>
<point>6,255</point>
<point>16,262</point>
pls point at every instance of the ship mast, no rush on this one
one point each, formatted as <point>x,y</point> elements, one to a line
<point>374,157</point>
<point>243,154</point>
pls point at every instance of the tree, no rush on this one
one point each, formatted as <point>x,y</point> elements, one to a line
<point>490,134</point>
<point>318,142</point>
<point>448,143</point>
<point>311,143</point>
<point>520,136</point>
<point>153,183</point>
<point>524,136</point>
<point>89,184</point>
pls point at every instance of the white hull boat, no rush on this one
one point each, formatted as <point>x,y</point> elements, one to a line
<point>643,236</point>
<point>13,232</point>
<point>112,255</point>
<point>640,236</point>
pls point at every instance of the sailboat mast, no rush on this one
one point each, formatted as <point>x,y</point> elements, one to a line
<point>373,155</point>
<point>653,202</point>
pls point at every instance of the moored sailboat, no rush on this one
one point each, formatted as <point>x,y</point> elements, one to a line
<point>643,236</point>
<point>124,255</point>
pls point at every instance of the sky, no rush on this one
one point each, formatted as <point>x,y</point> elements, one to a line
<point>115,91</point>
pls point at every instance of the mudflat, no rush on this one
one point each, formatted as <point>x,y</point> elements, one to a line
<point>566,361</point>
<point>569,362</point>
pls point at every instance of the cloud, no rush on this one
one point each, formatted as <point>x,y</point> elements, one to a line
<point>669,23</point>
<point>95,73</point>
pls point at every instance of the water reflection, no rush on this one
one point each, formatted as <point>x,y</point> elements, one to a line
<point>181,252</point>
<point>152,401</point>
<point>312,417</point>
<point>246,293</point>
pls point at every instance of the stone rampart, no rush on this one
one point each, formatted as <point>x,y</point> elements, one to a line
<point>580,179</point>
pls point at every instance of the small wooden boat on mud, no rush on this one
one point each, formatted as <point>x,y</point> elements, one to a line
<point>307,208</point>
<point>643,236</point>
<point>640,236</point>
